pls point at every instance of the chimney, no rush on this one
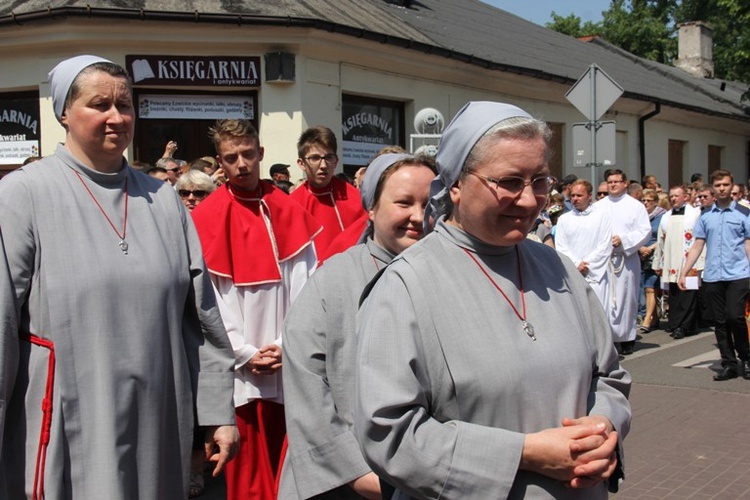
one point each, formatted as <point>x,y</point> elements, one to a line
<point>695,49</point>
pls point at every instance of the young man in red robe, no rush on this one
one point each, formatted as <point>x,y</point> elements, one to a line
<point>334,203</point>
<point>258,248</point>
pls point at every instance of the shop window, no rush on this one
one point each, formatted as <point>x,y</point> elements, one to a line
<point>368,125</point>
<point>19,129</point>
<point>185,118</point>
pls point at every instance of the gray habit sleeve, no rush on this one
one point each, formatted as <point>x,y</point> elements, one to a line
<point>213,368</point>
<point>324,452</point>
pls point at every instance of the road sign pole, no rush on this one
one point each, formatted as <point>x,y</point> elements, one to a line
<point>583,95</point>
<point>592,123</point>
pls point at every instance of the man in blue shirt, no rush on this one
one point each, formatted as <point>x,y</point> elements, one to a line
<point>724,230</point>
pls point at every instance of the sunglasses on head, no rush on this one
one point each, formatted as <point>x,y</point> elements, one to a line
<point>198,193</point>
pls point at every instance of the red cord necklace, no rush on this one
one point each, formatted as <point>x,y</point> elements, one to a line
<point>123,244</point>
<point>528,328</point>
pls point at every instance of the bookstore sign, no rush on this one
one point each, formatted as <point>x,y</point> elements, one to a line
<point>19,130</point>
<point>193,71</point>
<point>195,107</point>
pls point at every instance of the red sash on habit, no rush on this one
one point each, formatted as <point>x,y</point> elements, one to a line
<point>44,434</point>
<point>239,245</point>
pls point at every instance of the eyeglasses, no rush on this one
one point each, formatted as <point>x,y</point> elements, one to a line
<point>198,193</point>
<point>651,200</point>
<point>602,193</point>
<point>314,160</point>
<point>701,196</point>
<point>173,170</point>
<point>539,185</point>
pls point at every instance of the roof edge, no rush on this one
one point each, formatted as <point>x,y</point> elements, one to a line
<point>250,20</point>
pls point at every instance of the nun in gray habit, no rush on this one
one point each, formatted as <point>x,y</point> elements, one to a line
<point>485,364</point>
<point>111,342</point>
<point>323,459</point>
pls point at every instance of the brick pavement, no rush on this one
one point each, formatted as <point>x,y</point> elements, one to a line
<point>687,444</point>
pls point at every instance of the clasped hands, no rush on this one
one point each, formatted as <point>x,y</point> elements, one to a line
<point>266,361</point>
<point>581,453</point>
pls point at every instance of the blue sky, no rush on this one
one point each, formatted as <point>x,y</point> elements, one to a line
<point>539,11</point>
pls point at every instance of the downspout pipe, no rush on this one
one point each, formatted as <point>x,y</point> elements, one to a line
<point>642,137</point>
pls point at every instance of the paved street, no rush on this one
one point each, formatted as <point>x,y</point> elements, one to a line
<point>690,437</point>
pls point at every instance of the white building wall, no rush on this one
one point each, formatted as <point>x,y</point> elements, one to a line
<point>328,66</point>
<point>697,141</point>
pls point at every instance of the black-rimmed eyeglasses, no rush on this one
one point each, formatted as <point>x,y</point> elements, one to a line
<point>314,160</point>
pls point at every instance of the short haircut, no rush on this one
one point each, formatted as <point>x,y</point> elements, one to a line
<point>316,136</point>
<point>155,170</point>
<point>720,174</point>
<point>211,160</point>
<point>664,201</point>
<point>615,171</point>
<point>223,130</point>
<point>199,164</point>
<point>568,180</point>
<point>195,179</point>
<point>679,186</point>
<point>650,192</point>
<point>517,127</point>
<point>285,186</point>
<point>583,182</point>
<point>164,162</point>
<point>556,198</point>
<point>634,187</point>
<point>391,148</point>
<point>109,68</point>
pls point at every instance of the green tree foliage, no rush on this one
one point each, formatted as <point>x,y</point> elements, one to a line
<point>642,27</point>
<point>571,25</point>
<point>731,24</point>
<point>648,28</point>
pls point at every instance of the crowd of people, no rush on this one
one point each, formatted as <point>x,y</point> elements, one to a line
<point>393,337</point>
<point>689,246</point>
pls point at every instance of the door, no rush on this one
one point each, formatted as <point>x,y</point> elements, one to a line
<point>675,160</point>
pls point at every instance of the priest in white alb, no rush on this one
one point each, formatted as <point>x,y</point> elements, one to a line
<point>630,230</point>
<point>673,244</point>
<point>584,235</point>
